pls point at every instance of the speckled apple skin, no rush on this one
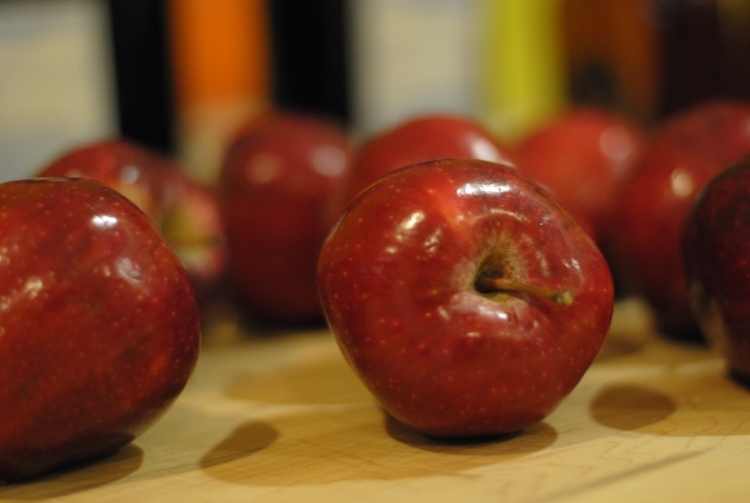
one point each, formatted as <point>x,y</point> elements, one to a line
<point>397,281</point>
<point>716,249</point>
<point>99,327</point>
<point>130,169</point>
<point>184,210</point>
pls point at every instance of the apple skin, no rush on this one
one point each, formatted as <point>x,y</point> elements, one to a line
<point>99,326</point>
<point>417,139</point>
<point>684,153</point>
<point>582,158</point>
<point>125,166</point>
<point>716,247</point>
<point>185,210</point>
<point>278,173</point>
<point>399,280</point>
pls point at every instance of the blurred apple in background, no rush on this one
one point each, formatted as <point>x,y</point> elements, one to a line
<point>185,210</point>
<point>194,227</point>
<point>419,138</point>
<point>132,170</point>
<point>99,325</point>
<point>683,154</point>
<point>464,297</point>
<point>278,174</point>
<point>716,248</point>
<point>582,158</point>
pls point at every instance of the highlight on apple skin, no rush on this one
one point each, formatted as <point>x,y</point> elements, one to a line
<point>185,210</point>
<point>278,172</point>
<point>419,138</point>
<point>464,297</point>
<point>99,324</point>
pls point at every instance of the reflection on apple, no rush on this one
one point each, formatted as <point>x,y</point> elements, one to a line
<point>416,139</point>
<point>185,210</point>
<point>99,325</point>
<point>278,173</point>
<point>582,158</point>
<point>465,298</point>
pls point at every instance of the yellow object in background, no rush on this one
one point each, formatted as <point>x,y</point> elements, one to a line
<point>522,73</point>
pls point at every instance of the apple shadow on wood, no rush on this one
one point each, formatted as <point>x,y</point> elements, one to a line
<point>705,403</point>
<point>351,442</point>
<point>532,439</point>
<point>246,440</point>
<point>78,478</point>
<point>631,407</point>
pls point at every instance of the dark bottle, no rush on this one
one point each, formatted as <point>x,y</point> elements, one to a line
<point>611,50</point>
<point>309,56</point>
<point>142,69</point>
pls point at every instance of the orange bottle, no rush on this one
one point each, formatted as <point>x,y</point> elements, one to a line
<point>221,71</point>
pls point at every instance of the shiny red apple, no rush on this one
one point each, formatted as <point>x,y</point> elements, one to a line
<point>99,325</point>
<point>278,174</point>
<point>716,249</point>
<point>185,211</point>
<point>582,158</point>
<point>417,139</point>
<point>684,153</point>
<point>465,298</point>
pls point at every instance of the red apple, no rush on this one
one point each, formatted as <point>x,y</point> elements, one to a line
<point>683,154</point>
<point>130,169</point>
<point>420,138</point>
<point>716,248</point>
<point>278,174</point>
<point>465,298</point>
<point>99,326</point>
<point>582,157</point>
<point>185,210</point>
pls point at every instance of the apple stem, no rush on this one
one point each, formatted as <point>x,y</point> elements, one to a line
<point>494,284</point>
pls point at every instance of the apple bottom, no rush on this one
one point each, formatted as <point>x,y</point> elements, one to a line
<point>474,375</point>
<point>22,466</point>
<point>273,278</point>
<point>465,401</point>
<point>262,286</point>
<point>725,327</point>
<point>737,342</point>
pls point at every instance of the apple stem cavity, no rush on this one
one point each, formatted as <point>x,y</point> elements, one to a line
<point>493,284</point>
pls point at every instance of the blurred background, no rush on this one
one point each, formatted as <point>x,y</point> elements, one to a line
<point>180,75</point>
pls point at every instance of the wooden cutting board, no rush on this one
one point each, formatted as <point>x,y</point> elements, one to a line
<point>281,417</point>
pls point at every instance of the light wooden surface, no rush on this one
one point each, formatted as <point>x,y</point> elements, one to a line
<point>282,418</point>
